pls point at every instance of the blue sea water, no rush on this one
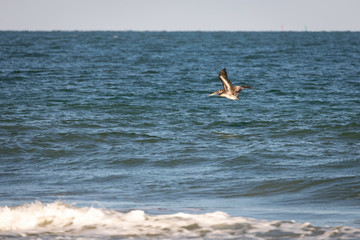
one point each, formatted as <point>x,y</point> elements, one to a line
<point>114,135</point>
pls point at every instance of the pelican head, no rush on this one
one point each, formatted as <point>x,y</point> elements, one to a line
<point>222,93</point>
<point>218,92</point>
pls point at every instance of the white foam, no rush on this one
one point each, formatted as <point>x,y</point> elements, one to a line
<point>60,219</point>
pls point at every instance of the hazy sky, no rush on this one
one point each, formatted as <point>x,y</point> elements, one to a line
<point>213,15</point>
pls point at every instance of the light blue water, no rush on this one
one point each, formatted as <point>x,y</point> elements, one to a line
<point>123,120</point>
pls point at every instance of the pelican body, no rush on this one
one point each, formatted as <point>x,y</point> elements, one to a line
<point>229,91</point>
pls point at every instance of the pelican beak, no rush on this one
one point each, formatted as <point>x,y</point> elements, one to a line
<point>215,93</point>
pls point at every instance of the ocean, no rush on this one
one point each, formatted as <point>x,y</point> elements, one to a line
<point>113,135</point>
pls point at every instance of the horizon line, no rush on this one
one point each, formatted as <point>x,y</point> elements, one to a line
<point>102,30</point>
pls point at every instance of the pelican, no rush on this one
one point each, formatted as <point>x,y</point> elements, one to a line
<point>229,91</point>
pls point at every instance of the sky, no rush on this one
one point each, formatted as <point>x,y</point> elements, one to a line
<point>181,15</point>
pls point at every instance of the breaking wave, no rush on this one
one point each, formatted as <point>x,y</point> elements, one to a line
<point>58,219</point>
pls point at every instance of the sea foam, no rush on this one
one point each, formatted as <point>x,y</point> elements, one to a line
<point>42,220</point>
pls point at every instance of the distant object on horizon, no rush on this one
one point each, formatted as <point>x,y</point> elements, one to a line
<point>229,91</point>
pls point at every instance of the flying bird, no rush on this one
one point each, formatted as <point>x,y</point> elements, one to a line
<point>229,91</point>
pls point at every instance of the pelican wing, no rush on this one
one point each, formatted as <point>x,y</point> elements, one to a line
<point>228,87</point>
<point>240,88</point>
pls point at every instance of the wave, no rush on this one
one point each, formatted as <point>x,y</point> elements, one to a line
<point>40,220</point>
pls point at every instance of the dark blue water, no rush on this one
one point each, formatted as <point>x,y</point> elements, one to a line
<point>123,120</point>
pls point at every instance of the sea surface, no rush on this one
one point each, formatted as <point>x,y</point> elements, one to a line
<point>113,135</point>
